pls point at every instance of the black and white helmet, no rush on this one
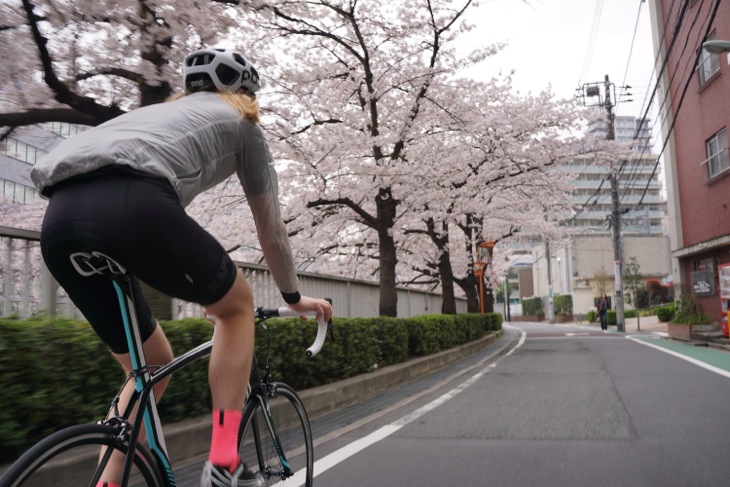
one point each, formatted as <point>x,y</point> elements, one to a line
<point>219,69</point>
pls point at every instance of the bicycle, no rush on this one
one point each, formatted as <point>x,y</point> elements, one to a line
<point>275,439</point>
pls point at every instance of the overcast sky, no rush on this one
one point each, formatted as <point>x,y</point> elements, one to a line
<point>564,43</point>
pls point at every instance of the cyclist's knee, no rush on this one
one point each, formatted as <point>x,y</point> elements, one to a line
<point>238,300</point>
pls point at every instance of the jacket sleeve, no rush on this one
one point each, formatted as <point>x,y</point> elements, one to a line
<point>258,179</point>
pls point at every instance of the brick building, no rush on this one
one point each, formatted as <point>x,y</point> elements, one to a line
<point>694,93</point>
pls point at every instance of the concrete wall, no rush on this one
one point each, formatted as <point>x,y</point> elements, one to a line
<point>585,265</point>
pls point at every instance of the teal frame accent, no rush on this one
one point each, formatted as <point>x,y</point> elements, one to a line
<point>151,417</point>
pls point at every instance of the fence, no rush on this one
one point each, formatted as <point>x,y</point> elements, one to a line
<point>27,287</point>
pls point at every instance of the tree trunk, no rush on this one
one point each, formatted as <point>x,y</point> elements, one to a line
<point>489,302</point>
<point>448,303</point>
<point>469,286</point>
<point>472,296</point>
<point>386,208</point>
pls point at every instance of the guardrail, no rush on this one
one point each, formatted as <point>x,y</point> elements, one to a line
<point>28,288</point>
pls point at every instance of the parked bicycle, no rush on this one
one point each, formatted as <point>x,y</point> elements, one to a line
<point>275,439</point>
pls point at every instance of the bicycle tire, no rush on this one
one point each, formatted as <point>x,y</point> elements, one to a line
<point>281,408</point>
<point>70,458</point>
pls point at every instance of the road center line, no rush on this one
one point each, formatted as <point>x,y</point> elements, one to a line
<point>351,449</point>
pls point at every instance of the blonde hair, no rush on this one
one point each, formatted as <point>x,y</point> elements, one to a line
<point>244,103</point>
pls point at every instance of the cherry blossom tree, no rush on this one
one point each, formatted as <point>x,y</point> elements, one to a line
<point>501,167</point>
<point>361,85</point>
<point>388,156</point>
<point>87,61</point>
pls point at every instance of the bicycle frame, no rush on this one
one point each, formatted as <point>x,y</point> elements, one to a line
<point>145,380</point>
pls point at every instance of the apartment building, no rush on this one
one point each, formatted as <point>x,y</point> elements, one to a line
<point>584,265</point>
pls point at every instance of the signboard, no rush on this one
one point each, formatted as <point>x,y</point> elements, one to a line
<point>724,278</point>
<point>703,283</point>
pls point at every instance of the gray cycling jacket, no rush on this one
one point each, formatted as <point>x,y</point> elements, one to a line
<point>195,142</point>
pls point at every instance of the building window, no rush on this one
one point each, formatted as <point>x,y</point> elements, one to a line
<point>709,63</point>
<point>63,129</point>
<point>21,151</point>
<point>17,192</point>
<point>717,154</point>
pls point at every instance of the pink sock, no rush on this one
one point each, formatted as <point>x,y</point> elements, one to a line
<point>224,440</point>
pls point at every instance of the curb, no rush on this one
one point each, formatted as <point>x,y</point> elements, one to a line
<point>190,439</point>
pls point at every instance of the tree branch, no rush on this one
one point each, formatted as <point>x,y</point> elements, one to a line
<point>368,219</point>
<point>41,115</point>
<point>83,104</point>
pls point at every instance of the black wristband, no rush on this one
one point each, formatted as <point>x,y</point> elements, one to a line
<point>291,298</point>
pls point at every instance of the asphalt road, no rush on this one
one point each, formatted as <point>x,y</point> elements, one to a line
<point>547,405</point>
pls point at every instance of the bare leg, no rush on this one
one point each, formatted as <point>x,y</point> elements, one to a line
<point>157,352</point>
<point>230,359</point>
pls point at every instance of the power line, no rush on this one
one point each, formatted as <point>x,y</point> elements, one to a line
<point>591,40</point>
<point>631,48</point>
<point>684,92</point>
<point>688,70</point>
<point>670,48</point>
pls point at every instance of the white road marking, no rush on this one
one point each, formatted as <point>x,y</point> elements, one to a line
<point>336,457</point>
<point>691,360</point>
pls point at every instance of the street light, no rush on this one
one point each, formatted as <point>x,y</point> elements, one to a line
<point>716,47</point>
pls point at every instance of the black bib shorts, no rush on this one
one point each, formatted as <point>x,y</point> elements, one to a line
<point>136,219</point>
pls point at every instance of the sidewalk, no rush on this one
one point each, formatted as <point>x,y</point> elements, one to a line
<point>644,324</point>
<point>651,325</point>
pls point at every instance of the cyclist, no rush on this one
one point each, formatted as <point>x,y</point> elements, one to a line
<point>121,188</point>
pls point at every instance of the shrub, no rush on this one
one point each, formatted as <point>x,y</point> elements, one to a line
<point>630,313</point>
<point>56,372</point>
<point>563,304</point>
<point>658,293</point>
<point>592,315</point>
<point>688,312</point>
<point>611,317</point>
<point>642,298</point>
<point>665,313</point>
<point>533,306</point>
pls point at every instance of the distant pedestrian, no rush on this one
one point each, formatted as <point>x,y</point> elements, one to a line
<point>603,306</point>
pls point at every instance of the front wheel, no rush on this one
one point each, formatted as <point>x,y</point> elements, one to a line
<point>76,457</point>
<point>277,445</point>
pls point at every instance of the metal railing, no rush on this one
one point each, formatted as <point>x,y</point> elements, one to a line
<point>27,287</point>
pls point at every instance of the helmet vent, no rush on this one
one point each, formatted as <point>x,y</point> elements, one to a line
<point>226,74</point>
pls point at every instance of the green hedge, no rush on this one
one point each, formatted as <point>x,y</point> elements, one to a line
<point>665,313</point>
<point>563,304</point>
<point>533,306</point>
<point>611,317</point>
<point>56,373</point>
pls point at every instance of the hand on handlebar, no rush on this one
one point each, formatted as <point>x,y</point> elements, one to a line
<point>319,306</point>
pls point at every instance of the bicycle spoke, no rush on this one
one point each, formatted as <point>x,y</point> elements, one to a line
<point>74,458</point>
<point>278,446</point>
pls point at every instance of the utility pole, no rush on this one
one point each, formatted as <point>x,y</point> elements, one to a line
<point>551,308</point>
<point>593,90</point>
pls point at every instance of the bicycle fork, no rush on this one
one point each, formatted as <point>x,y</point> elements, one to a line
<point>268,470</point>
